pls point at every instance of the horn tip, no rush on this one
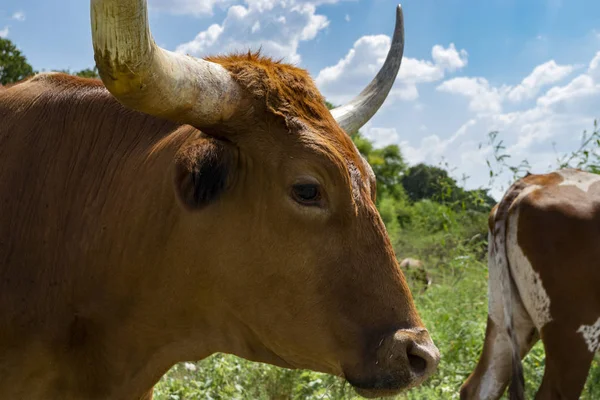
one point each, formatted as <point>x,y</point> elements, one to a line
<point>399,13</point>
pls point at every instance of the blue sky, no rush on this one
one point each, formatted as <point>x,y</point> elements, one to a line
<point>529,69</point>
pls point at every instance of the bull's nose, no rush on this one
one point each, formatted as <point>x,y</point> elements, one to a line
<point>405,359</point>
<point>422,355</point>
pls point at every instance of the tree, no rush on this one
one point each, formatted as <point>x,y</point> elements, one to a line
<point>13,65</point>
<point>329,105</point>
<point>84,73</point>
<point>478,200</point>
<point>88,73</point>
<point>428,182</point>
<point>388,165</point>
<point>364,145</point>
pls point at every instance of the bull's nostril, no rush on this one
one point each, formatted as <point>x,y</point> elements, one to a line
<point>417,364</point>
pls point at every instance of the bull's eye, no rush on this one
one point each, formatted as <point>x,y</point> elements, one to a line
<point>308,194</point>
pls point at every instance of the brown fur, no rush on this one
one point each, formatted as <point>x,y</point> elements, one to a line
<point>290,93</point>
<point>106,280</point>
<point>558,233</point>
<point>287,91</point>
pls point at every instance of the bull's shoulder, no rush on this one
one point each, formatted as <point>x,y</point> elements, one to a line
<point>49,80</point>
<point>54,86</point>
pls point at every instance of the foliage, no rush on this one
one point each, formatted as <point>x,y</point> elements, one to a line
<point>585,157</point>
<point>84,73</point>
<point>227,377</point>
<point>88,73</point>
<point>387,163</point>
<point>13,65</point>
<point>429,182</point>
<point>501,160</point>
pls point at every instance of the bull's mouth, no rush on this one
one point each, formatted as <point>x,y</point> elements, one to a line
<point>383,386</point>
<point>388,383</point>
<point>374,391</point>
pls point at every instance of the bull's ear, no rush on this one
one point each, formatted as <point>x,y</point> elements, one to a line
<point>203,171</point>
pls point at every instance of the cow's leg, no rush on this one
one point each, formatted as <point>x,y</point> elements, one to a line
<point>493,371</point>
<point>568,360</point>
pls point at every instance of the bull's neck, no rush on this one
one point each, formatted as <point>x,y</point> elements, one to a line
<point>138,303</point>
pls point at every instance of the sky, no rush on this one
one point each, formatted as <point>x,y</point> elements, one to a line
<point>529,70</point>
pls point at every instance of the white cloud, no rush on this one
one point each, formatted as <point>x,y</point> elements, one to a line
<point>345,79</point>
<point>449,58</point>
<point>347,18</point>
<point>594,68</point>
<point>581,86</point>
<point>484,97</point>
<point>364,58</point>
<point>432,147</point>
<point>204,8</point>
<point>205,39</point>
<point>419,71</point>
<point>19,16</point>
<point>4,32</point>
<point>542,75</point>
<point>275,26</point>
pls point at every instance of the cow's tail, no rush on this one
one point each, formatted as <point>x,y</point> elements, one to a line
<point>508,286</point>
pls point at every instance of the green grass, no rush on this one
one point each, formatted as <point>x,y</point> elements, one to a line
<point>454,310</point>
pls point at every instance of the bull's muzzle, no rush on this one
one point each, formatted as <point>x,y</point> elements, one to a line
<point>404,360</point>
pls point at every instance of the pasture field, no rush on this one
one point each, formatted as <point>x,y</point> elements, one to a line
<point>453,246</point>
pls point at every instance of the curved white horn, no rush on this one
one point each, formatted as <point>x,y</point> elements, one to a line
<point>352,116</point>
<point>147,78</point>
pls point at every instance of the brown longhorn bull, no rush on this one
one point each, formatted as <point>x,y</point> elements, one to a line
<point>182,207</point>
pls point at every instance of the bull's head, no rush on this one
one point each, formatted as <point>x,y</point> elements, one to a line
<point>286,258</point>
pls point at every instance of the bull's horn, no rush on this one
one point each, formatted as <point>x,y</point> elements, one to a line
<point>352,116</point>
<point>147,78</point>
